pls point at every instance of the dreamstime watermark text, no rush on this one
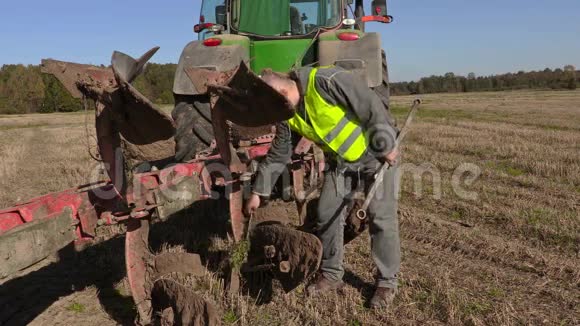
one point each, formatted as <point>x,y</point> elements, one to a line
<point>424,179</point>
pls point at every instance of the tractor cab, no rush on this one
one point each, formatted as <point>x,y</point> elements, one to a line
<point>267,18</point>
<point>285,17</point>
<point>212,19</point>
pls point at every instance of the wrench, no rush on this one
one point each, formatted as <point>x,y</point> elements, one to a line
<point>362,212</point>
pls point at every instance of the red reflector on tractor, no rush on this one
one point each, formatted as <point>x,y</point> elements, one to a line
<point>200,27</point>
<point>212,41</point>
<point>348,36</point>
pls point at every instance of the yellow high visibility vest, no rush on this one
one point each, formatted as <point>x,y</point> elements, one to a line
<point>331,127</point>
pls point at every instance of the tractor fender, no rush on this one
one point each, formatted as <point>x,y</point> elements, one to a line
<point>224,57</point>
<point>362,56</point>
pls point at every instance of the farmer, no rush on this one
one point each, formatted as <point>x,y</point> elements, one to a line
<point>343,116</point>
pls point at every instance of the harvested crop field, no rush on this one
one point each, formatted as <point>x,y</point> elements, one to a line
<point>489,218</point>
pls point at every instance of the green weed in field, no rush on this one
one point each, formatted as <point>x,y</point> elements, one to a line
<point>76,307</point>
<point>496,292</point>
<point>555,128</point>
<point>230,317</point>
<point>355,322</point>
<point>475,308</point>
<point>239,254</point>
<point>506,167</point>
<point>456,215</point>
<point>537,216</point>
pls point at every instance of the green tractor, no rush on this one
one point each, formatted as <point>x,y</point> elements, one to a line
<point>281,35</point>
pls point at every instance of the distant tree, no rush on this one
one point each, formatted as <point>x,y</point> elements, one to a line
<point>449,83</point>
<point>156,82</point>
<point>566,78</point>
<point>412,87</point>
<point>570,75</point>
<point>2,86</point>
<point>57,98</point>
<point>24,89</point>
<point>421,87</point>
<point>497,83</point>
<point>471,82</point>
<point>572,84</point>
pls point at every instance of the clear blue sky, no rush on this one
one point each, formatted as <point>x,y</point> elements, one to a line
<point>428,36</point>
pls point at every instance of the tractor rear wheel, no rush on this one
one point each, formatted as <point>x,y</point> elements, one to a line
<point>192,116</point>
<point>383,90</point>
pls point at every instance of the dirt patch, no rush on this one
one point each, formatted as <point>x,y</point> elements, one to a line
<point>282,213</point>
<point>174,304</point>
<point>295,255</point>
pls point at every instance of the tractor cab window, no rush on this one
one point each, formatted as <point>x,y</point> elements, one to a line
<point>214,12</point>
<point>285,17</point>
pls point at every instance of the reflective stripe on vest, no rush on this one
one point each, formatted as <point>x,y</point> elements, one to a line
<point>331,127</point>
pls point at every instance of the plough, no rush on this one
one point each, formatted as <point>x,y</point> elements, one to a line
<point>136,146</point>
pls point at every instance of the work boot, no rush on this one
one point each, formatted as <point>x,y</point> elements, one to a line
<point>323,285</point>
<point>383,298</point>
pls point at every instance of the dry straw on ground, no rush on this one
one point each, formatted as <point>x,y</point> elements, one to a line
<point>510,257</point>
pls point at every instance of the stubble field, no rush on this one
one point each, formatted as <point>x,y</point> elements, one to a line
<point>504,250</point>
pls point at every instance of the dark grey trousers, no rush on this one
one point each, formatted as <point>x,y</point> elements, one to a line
<point>340,184</point>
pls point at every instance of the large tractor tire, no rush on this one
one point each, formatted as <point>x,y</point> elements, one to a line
<point>383,90</point>
<point>192,116</point>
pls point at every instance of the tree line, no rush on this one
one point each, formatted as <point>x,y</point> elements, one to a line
<point>24,89</point>
<point>557,79</point>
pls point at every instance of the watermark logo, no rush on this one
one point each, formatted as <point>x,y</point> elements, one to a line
<point>426,179</point>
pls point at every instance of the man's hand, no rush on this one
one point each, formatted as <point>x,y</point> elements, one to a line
<point>252,205</point>
<point>392,157</point>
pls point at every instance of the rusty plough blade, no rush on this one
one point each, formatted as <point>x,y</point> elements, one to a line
<point>147,130</point>
<point>243,97</point>
<point>130,129</point>
<point>73,76</point>
<point>241,104</point>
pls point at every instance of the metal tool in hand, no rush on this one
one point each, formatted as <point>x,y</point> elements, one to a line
<point>362,212</point>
